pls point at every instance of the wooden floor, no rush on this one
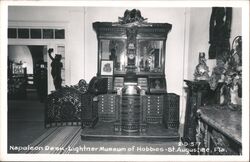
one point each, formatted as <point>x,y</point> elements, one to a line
<point>26,134</point>
<point>25,121</point>
<point>67,140</point>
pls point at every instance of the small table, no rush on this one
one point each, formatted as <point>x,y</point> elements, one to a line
<point>219,130</point>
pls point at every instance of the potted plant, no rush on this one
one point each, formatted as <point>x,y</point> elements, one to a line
<point>228,73</point>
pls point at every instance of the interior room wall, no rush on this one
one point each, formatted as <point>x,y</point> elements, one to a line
<point>71,18</point>
<point>199,35</point>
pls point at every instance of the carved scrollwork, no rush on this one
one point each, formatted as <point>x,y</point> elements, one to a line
<point>200,133</point>
<point>64,105</point>
<point>132,18</point>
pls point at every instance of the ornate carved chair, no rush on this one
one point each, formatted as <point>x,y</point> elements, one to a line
<point>63,106</point>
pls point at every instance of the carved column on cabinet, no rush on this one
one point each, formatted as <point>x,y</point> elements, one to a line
<point>131,48</point>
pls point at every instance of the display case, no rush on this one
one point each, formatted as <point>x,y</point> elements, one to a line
<point>17,80</point>
<point>113,50</point>
<point>133,47</point>
<point>150,56</point>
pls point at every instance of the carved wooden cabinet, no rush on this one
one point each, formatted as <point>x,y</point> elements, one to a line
<point>17,80</point>
<point>132,54</point>
<point>198,94</point>
<point>133,49</point>
<point>219,130</point>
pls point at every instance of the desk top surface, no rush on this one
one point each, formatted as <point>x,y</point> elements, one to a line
<point>224,120</point>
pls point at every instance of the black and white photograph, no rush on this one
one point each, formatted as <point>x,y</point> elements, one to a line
<point>106,67</point>
<point>124,81</point>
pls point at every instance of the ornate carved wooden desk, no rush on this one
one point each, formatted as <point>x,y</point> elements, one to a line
<point>219,130</point>
<point>131,55</point>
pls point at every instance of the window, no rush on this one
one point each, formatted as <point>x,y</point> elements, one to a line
<point>12,33</point>
<point>59,34</point>
<point>36,33</point>
<point>23,33</point>
<point>48,34</point>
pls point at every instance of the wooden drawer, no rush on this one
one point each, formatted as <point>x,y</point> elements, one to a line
<point>108,105</point>
<point>110,84</point>
<point>153,108</point>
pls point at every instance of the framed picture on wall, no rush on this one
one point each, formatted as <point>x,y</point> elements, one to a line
<point>106,67</point>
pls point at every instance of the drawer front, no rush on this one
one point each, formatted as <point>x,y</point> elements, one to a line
<point>143,83</point>
<point>108,104</point>
<point>154,119</point>
<point>110,84</point>
<point>153,108</point>
<point>118,82</point>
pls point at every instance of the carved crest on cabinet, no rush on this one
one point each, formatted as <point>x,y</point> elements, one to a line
<point>132,18</point>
